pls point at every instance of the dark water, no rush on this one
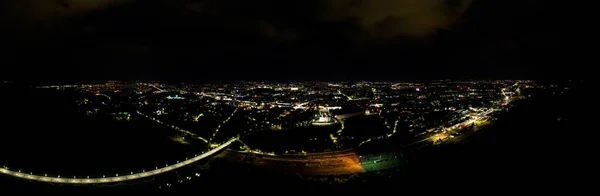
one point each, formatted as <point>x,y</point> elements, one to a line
<point>42,132</point>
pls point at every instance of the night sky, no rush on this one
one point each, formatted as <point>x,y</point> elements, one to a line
<point>207,40</point>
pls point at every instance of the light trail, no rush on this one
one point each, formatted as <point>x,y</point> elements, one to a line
<point>104,95</point>
<point>156,87</point>
<point>116,178</point>
<point>224,122</point>
<point>432,138</point>
<point>349,98</point>
<point>382,136</point>
<point>173,126</point>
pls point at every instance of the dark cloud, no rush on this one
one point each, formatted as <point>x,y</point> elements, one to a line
<point>398,18</point>
<point>48,10</point>
<point>188,37</point>
<point>285,20</point>
<point>379,19</point>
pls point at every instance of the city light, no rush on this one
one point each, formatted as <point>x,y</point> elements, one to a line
<point>104,179</point>
<point>435,113</point>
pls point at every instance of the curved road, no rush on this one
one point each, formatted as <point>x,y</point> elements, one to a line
<point>116,178</point>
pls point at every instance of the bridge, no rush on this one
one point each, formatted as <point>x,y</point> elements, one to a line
<point>145,174</point>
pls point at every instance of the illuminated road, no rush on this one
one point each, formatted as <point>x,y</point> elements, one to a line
<point>224,122</point>
<point>340,92</point>
<point>326,163</point>
<point>156,87</point>
<point>394,130</point>
<point>116,178</point>
<point>173,126</point>
<point>104,95</point>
